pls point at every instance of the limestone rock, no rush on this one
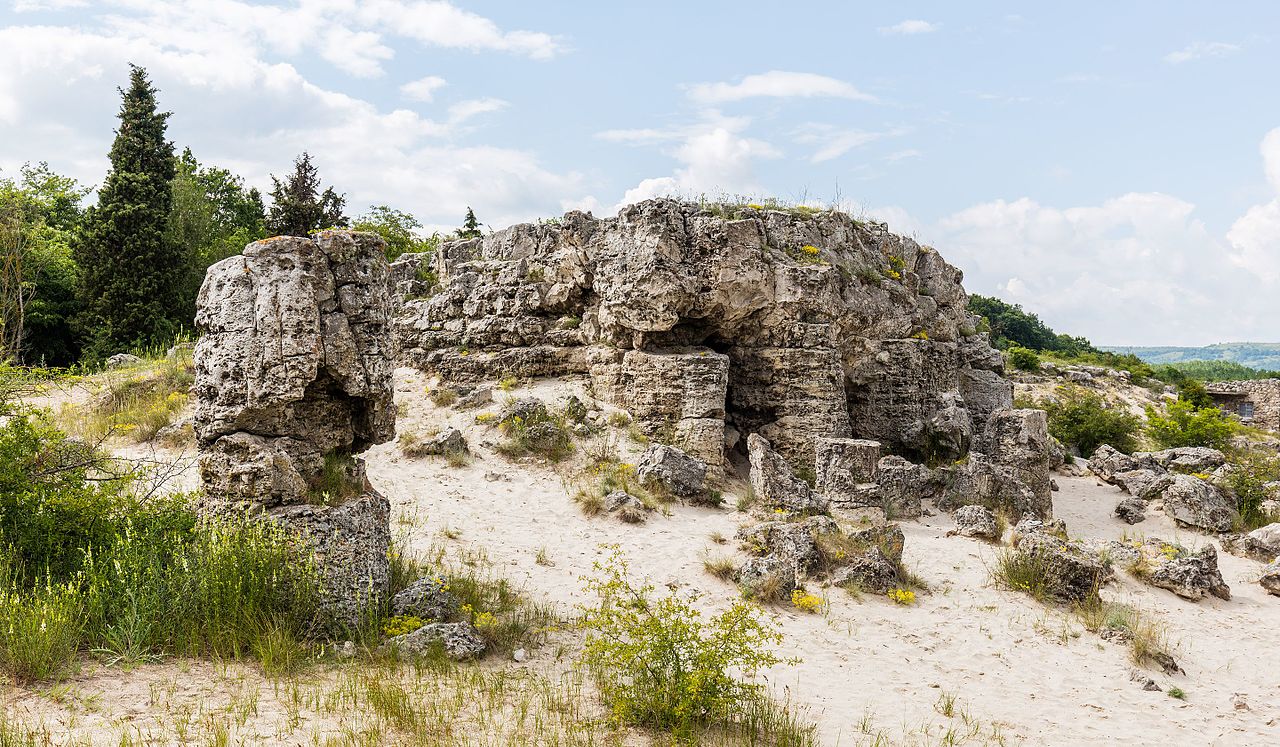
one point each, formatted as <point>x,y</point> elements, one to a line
<point>426,599</point>
<point>826,326</point>
<point>122,360</point>
<point>794,542</point>
<point>1190,575</point>
<point>1262,543</point>
<point>626,507</point>
<point>767,577</point>
<point>1270,578</point>
<point>1106,462</point>
<point>872,571</point>
<point>1071,575</point>
<point>1142,483</point>
<point>900,487</point>
<point>1187,459</point>
<point>1131,510</point>
<point>1194,502</point>
<point>843,465</point>
<point>293,376</point>
<point>460,640</point>
<point>775,483</point>
<point>448,441</point>
<point>676,471</point>
<point>976,521</point>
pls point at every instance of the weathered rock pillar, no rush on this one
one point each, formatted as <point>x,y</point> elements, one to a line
<point>293,378</point>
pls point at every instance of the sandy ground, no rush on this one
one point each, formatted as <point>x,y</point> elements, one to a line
<point>1020,672</point>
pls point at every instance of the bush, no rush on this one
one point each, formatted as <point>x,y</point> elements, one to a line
<point>1188,425</point>
<point>1024,359</point>
<point>659,664</point>
<point>541,433</point>
<point>1083,419</point>
<point>1253,470</point>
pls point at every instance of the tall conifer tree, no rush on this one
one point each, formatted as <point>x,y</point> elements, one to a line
<point>131,274</point>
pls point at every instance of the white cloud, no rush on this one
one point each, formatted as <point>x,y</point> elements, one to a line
<point>1255,236</point>
<point>1199,50</point>
<point>909,27</point>
<point>834,142</point>
<point>358,53</point>
<point>776,84</point>
<point>713,159</point>
<point>239,108</point>
<point>423,89</point>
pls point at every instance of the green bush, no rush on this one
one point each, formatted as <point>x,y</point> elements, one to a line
<point>40,630</point>
<point>1024,359</point>
<point>1193,392</point>
<point>659,664</point>
<point>1083,419</point>
<point>1188,425</point>
<point>1248,480</point>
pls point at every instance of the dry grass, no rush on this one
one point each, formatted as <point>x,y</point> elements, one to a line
<point>136,402</point>
<point>721,566</point>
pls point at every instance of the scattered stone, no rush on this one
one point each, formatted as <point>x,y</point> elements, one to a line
<point>497,477</point>
<point>1142,483</point>
<point>1239,702</point>
<point>477,397</point>
<point>122,360</point>
<point>1189,575</point>
<point>872,571</point>
<point>520,656</point>
<point>626,506</point>
<point>767,577</point>
<point>448,441</point>
<point>1270,578</point>
<point>460,640</point>
<point>1186,459</point>
<point>674,470</point>
<point>1131,510</point>
<point>775,483</point>
<point>425,599</point>
<point>1194,502</point>
<point>1107,461</point>
<point>1142,678</point>
<point>574,409</point>
<point>975,521</point>
<point>525,408</point>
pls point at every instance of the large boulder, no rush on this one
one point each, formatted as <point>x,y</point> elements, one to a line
<point>775,483</point>
<point>1107,461</point>
<point>293,378</point>
<point>1262,543</point>
<point>1193,502</point>
<point>459,640</point>
<point>1144,484</point>
<point>976,521</point>
<point>794,542</point>
<point>1187,459</point>
<point>1070,574</point>
<point>1270,578</point>
<point>673,470</point>
<point>1190,575</point>
<point>844,466</point>
<point>826,326</point>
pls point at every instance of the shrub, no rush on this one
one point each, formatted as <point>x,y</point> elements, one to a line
<point>658,663</point>
<point>39,631</point>
<point>1248,480</point>
<point>1188,425</point>
<point>1024,359</point>
<point>805,602</point>
<point>1084,420</point>
<point>542,433</point>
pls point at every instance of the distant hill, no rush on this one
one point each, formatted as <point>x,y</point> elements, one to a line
<point>1259,355</point>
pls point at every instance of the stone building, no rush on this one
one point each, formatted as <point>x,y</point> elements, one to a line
<point>1257,402</point>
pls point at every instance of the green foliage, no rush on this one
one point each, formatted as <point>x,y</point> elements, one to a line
<point>659,664</point>
<point>40,631</point>
<point>470,226</point>
<point>541,433</point>
<point>1024,359</point>
<point>1083,419</point>
<point>1184,424</point>
<point>1010,325</point>
<point>1193,392</point>
<point>299,207</point>
<point>397,229</point>
<point>213,217</point>
<point>39,216</point>
<point>1248,480</point>
<point>1212,371</point>
<point>130,270</point>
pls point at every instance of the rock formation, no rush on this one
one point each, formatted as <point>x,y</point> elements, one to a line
<point>1177,477</point>
<point>707,322</point>
<point>294,377</point>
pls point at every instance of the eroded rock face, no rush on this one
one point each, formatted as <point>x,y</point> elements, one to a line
<point>1196,503</point>
<point>775,483</point>
<point>1190,575</point>
<point>791,325</point>
<point>976,521</point>
<point>293,377</point>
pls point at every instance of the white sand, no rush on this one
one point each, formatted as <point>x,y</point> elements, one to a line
<point>1020,671</point>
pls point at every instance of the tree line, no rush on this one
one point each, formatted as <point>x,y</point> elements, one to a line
<point>81,282</point>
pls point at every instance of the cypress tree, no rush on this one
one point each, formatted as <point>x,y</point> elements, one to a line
<point>470,226</point>
<point>131,274</point>
<point>299,207</point>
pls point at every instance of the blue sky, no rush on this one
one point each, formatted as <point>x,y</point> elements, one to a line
<point>1107,165</point>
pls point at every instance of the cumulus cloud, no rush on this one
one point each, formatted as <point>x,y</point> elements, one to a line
<point>776,84</point>
<point>1255,237</point>
<point>909,27</point>
<point>423,89</point>
<point>1199,50</point>
<point>238,106</point>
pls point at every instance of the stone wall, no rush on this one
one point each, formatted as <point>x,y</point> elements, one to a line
<point>831,327</point>
<point>293,378</point>
<point>1262,394</point>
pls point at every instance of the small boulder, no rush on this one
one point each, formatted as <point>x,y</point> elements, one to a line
<point>524,408</point>
<point>481,395</point>
<point>1143,483</point>
<point>123,360</point>
<point>448,441</point>
<point>794,542</point>
<point>1196,503</point>
<point>1107,461</point>
<point>626,506</point>
<point>1131,510</point>
<point>425,599</point>
<point>1270,578</point>
<point>1071,575</point>
<point>674,470</point>
<point>461,641</point>
<point>775,483</point>
<point>767,578</point>
<point>1188,459</point>
<point>1262,543</point>
<point>871,571</point>
<point>1190,575</point>
<point>976,521</point>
